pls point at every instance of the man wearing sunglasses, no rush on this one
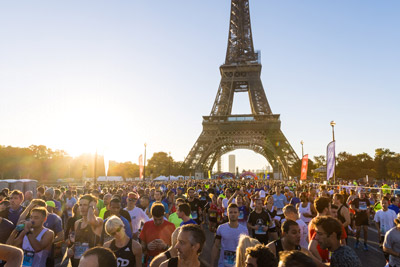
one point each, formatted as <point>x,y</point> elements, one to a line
<point>138,216</point>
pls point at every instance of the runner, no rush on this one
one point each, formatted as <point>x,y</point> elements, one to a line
<point>258,222</point>
<point>87,230</point>
<point>361,206</point>
<point>155,236</point>
<point>227,238</point>
<point>127,250</point>
<point>290,239</point>
<point>328,233</point>
<point>138,216</point>
<point>35,240</point>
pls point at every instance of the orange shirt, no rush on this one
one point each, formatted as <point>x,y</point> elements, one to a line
<point>151,232</point>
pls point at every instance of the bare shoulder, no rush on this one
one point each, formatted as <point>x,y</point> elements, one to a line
<point>108,243</point>
<point>49,233</point>
<point>136,246</point>
<point>164,264</point>
<point>271,246</point>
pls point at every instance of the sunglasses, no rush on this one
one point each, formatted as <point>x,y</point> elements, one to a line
<point>114,233</point>
<point>132,199</point>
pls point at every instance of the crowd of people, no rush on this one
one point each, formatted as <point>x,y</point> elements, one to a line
<point>252,223</point>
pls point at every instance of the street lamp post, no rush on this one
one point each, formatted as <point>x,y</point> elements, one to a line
<point>302,150</point>
<point>144,165</point>
<point>333,123</point>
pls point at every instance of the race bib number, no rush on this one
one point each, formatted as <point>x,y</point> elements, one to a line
<point>28,258</point>
<point>229,258</point>
<point>122,262</point>
<point>80,249</point>
<point>260,231</point>
<point>363,205</point>
<point>241,215</point>
<point>194,215</point>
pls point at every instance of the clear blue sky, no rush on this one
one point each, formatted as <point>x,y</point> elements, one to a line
<point>150,70</point>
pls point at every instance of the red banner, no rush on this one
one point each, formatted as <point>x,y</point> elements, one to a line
<point>304,167</point>
<point>141,166</point>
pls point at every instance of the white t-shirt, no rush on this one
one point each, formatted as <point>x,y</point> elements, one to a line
<point>137,217</point>
<point>385,219</point>
<point>303,233</point>
<point>225,205</point>
<point>229,242</point>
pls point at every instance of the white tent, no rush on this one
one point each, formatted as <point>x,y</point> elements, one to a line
<point>161,178</point>
<point>110,179</point>
<point>166,178</point>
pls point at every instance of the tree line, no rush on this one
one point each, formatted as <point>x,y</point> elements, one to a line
<point>47,165</point>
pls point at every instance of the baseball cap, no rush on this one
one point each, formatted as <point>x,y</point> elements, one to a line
<point>50,204</point>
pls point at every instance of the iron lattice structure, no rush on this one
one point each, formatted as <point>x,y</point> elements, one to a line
<point>224,132</point>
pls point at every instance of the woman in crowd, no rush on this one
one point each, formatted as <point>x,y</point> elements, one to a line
<point>305,208</point>
<point>127,250</point>
<point>69,229</point>
<point>271,210</point>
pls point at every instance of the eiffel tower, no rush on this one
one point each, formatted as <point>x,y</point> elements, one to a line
<point>224,132</point>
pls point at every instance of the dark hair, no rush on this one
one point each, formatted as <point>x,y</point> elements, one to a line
<point>75,210</point>
<point>105,256</point>
<point>233,206</point>
<point>329,225</point>
<point>17,193</point>
<point>179,199</point>
<point>286,225</point>
<point>157,210</point>
<point>196,233</point>
<point>321,203</point>
<point>39,202</point>
<point>392,199</point>
<point>295,258</point>
<point>263,255</point>
<point>41,210</point>
<point>190,188</point>
<point>41,189</point>
<point>339,197</point>
<point>185,208</point>
<point>115,200</point>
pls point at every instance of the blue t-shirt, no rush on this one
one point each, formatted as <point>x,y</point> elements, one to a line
<point>294,201</point>
<point>280,201</point>
<point>13,215</point>
<point>162,202</point>
<point>394,208</point>
<point>191,221</point>
<point>54,223</point>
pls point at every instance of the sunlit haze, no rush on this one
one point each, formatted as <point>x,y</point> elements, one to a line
<point>113,75</point>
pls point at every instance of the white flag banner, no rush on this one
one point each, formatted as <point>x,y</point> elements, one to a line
<point>330,160</point>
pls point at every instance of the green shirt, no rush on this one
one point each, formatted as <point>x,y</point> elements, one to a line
<point>173,218</point>
<point>102,211</point>
<point>100,204</point>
